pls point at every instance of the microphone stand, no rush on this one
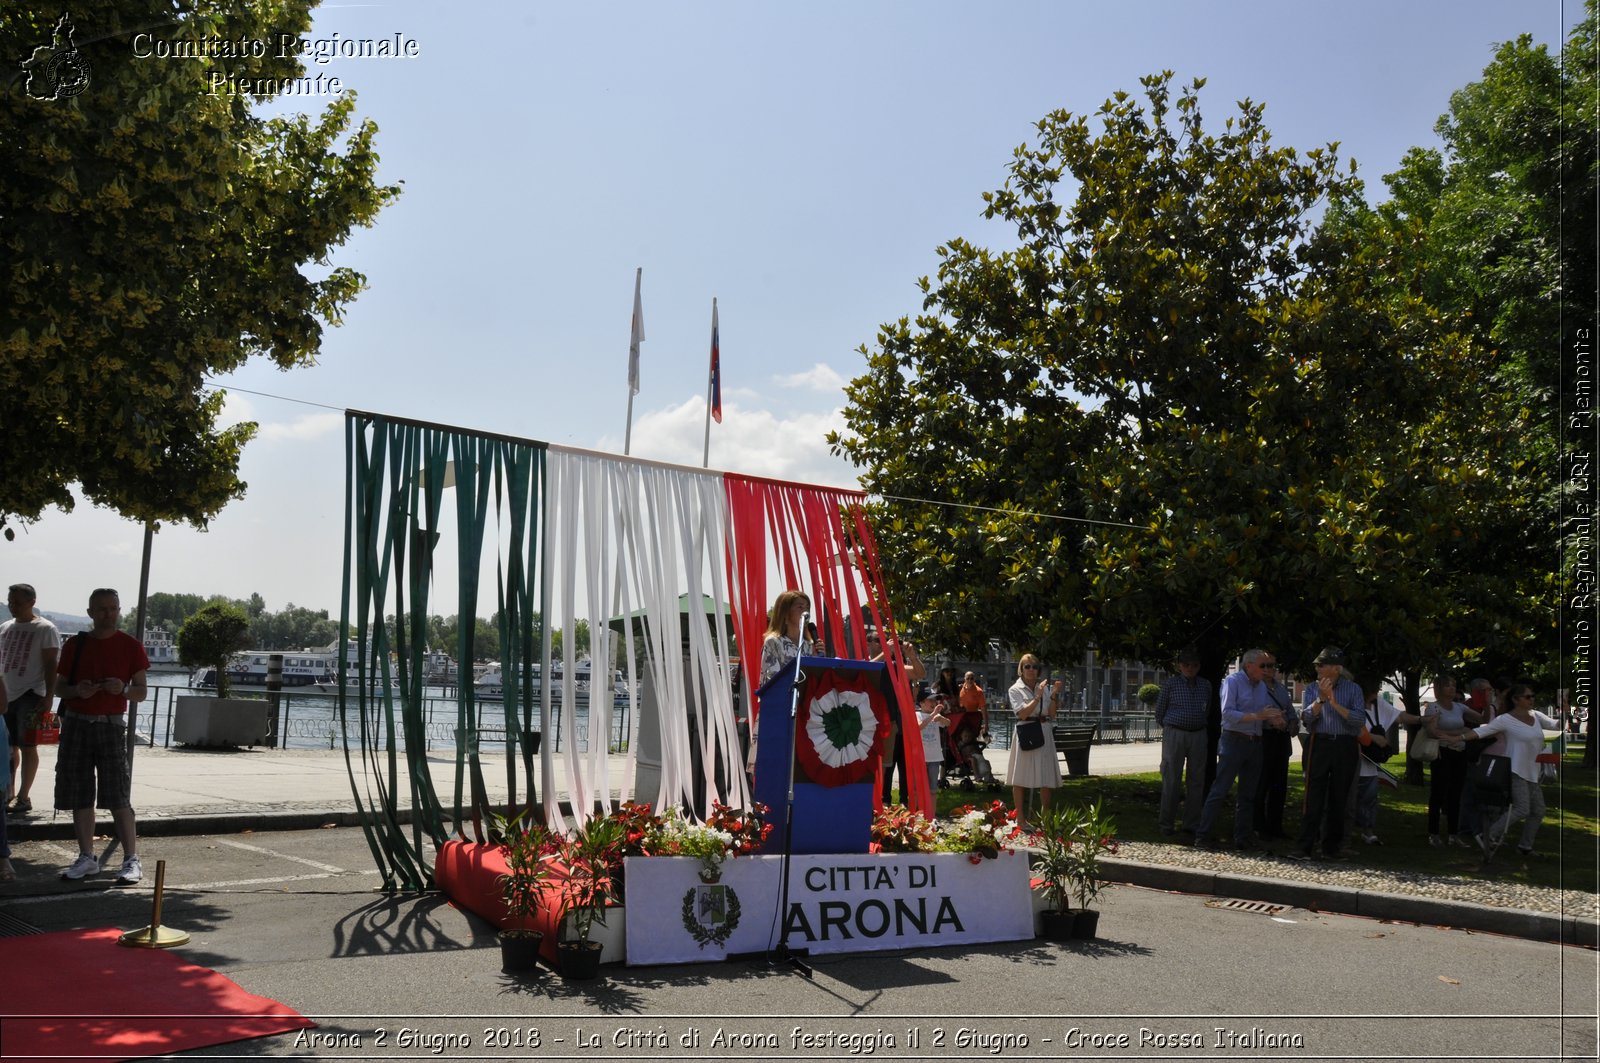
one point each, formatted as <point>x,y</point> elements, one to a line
<point>784,954</point>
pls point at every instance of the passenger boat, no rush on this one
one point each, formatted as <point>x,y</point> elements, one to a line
<point>301,668</point>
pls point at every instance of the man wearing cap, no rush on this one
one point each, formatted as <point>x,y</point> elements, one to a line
<point>1181,715</point>
<point>1247,705</point>
<point>1333,716</point>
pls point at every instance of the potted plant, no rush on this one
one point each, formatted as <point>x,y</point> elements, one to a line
<point>208,639</point>
<point>1053,871</point>
<point>1147,696</point>
<point>522,888</point>
<point>1093,835</point>
<point>589,853</point>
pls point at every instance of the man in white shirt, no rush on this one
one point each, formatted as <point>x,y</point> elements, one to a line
<point>29,646</point>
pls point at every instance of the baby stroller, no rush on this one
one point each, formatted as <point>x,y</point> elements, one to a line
<point>964,742</point>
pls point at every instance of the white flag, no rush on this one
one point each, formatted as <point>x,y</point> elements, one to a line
<point>637,336</point>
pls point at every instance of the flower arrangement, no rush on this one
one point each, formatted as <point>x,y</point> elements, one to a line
<point>979,832</point>
<point>897,829</point>
<point>724,834</point>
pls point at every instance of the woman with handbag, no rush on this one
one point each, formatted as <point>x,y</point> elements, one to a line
<point>1032,765</point>
<point>1524,729</point>
<point>1446,719</point>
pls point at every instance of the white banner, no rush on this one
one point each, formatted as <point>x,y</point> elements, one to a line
<point>837,903</point>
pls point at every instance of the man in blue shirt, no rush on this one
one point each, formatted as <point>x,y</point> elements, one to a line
<point>1246,705</point>
<point>1333,714</point>
<point>1181,715</point>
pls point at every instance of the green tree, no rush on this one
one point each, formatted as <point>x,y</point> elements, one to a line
<point>211,636</point>
<point>1169,415</point>
<point>157,232</point>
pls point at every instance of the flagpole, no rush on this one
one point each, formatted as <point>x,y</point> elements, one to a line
<point>711,382</point>
<point>635,337</point>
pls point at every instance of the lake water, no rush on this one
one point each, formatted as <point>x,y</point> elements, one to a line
<point>310,718</point>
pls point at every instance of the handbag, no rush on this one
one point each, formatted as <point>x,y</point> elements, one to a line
<point>1424,747</point>
<point>1490,778</point>
<point>1376,753</point>
<point>1030,734</point>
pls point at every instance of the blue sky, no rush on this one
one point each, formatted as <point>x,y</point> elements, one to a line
<point>799,162</point>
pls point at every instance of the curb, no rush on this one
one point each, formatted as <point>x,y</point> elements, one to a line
<point>1371,904</point>
<point>1315,897</point>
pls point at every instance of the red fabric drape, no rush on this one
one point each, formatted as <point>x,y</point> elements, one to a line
<point>821,540</point>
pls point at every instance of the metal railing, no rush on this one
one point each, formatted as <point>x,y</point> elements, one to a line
<point>310,720</point>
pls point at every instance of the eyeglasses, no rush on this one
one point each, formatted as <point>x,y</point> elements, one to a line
<point>1267,666</point>
<point>1030,668</point>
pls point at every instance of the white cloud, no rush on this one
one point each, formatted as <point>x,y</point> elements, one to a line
<point>749,440</point>
<point>819,377</point>
<point>312,426</point>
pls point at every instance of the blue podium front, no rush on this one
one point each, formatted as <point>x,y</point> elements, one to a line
<point>839,732</point>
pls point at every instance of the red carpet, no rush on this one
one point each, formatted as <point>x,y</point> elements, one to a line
<point>78,994</point>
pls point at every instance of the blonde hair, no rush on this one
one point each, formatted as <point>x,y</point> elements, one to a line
<point>780,610</point>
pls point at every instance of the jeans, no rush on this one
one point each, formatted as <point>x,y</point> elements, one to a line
<point>1182,773</point>
<point>1527,805</point>
<point>1238,757</point>
<point>1364,804</point>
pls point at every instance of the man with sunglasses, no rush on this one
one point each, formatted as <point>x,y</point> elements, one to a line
<point>1277,747</point>
<point>1247,705</point>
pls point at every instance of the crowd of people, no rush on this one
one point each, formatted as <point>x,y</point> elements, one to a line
<point>1484,775</point>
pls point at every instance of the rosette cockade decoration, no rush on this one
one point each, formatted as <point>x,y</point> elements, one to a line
<point>841,728</point>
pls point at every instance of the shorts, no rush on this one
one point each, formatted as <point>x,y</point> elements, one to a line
<point>21,728</point>
<point>91,751</point>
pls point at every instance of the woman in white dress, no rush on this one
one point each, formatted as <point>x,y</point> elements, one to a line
<point>1032,769</point>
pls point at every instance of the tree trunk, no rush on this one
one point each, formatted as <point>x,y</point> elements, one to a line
<point>1213,666</point>
<point>1412,682</point>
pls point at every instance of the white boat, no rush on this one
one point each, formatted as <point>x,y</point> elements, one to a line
<point>161,650</point>
<point>301,668</point>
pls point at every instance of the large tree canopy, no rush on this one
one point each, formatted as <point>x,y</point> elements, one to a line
<point>1178,411</point>
<point>156,231</point>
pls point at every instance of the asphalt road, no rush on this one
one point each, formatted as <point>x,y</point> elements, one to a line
<point>296,916</point>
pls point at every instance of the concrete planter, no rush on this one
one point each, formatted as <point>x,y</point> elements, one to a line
<point>201,721</point>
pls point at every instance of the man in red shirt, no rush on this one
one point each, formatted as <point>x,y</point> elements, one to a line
<point>101,672</point>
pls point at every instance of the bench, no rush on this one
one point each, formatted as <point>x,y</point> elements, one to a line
<point>1073,743</point>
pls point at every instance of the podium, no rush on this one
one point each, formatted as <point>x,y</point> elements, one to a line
<point>830,816</point>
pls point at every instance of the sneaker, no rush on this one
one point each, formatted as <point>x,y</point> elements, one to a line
<point>1459,841</point>
<point>84,866</point>
<point>1436,841</point>
<point>1371,839</point>
<point>22,806</point>
<point>131,872</point>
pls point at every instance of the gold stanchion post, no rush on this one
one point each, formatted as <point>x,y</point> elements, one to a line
<point>155,936</point>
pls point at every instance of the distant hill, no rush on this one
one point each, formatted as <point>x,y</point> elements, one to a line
<point>66,623</point>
